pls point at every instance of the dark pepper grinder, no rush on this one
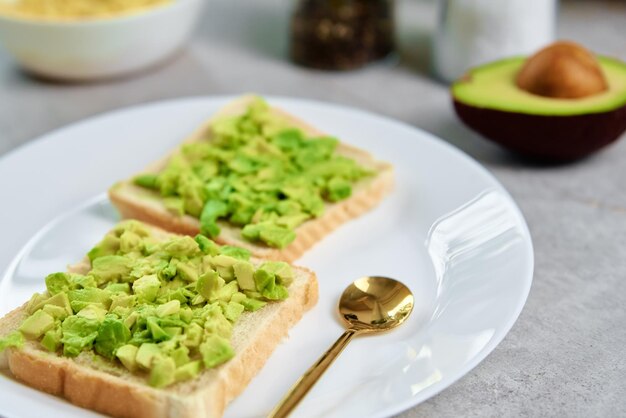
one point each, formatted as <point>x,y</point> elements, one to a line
<point>341,34</point>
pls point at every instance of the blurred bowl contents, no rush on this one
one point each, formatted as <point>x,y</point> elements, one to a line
<point>72,9</point>
<point>341,34</point>
<point>112,39</point>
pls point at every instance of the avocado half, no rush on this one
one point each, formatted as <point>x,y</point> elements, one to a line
<point>488,100</point>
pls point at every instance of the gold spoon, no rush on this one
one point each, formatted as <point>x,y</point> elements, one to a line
<point>370,304</point>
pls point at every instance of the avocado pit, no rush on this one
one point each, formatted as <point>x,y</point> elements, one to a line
<point>562,70</point>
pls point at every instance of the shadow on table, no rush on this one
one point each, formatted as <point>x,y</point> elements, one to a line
<point>453,132</point>
<point>495,156</point>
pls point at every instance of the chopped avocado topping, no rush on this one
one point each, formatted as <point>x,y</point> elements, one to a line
<point>257,169</point>
<point>165,306</point>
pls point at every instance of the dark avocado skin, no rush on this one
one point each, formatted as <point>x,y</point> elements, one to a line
<point>547,138</point>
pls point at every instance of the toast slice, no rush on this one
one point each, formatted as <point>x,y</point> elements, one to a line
<point>135,202</point>
<point>107,387</point>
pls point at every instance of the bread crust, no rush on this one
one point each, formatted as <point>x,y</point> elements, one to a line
<point>255,337</point>
<point>137,203</point>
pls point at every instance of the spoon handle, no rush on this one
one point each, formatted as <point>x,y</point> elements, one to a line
<point>311,376</point>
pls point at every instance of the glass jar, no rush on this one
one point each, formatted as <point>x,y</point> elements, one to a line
<point>341,34</point>
<point>474,32</point>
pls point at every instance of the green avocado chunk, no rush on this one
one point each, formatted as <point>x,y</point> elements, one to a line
<point>170,308</point>
<point>147,288</point>
<point>146,354</point>
<point>267,285</point>
<point>112,334</point>
<point>208,284</point>
<point>127,356</point>
<point>270,233</point>
<point>215,350</point>
<point>93,311</point>
<point>79,333</point>
<point>35,303</point>
<point>233,311</point>
<point>14,339</point>
<point>181,247</point>
<point>59,300</point>
<point>212,211</point>
<point>146,180</point>
<point>110,268</point>
<point>108,246</point>
<point>56,312</point>
<point>283,271</point>
<point>37,324</point>
<point>244,272</point>
<point>52,339</point>
<point>216,323</point>
<point>188,371</point>
<point>206,245</point>
<point>187,272</point>
<point>235,252</point>
<point>163,372</point>
<point>252,304</point>
<point>193,335</point>
<point>81,298</point>
<point>58,282</point>
<point>118,288</point>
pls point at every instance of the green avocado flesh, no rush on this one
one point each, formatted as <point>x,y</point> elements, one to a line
<point>256,172</point>
<point>492,86</point>
<point>161,308</point>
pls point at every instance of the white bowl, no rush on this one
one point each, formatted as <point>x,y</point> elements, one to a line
<point>99,48</point>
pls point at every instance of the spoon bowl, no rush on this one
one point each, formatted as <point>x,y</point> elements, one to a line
<point>375,303</point>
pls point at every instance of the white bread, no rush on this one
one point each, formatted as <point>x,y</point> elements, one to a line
<point>135,202</point>
<point>109,388</point>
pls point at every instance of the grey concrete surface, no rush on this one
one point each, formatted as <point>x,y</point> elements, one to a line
<point>566,355</point>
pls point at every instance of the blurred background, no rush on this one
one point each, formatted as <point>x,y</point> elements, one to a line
<point>243,46</point>
<point>565,355</point>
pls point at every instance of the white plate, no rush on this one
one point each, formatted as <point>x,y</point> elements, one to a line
<point>449,231</point>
